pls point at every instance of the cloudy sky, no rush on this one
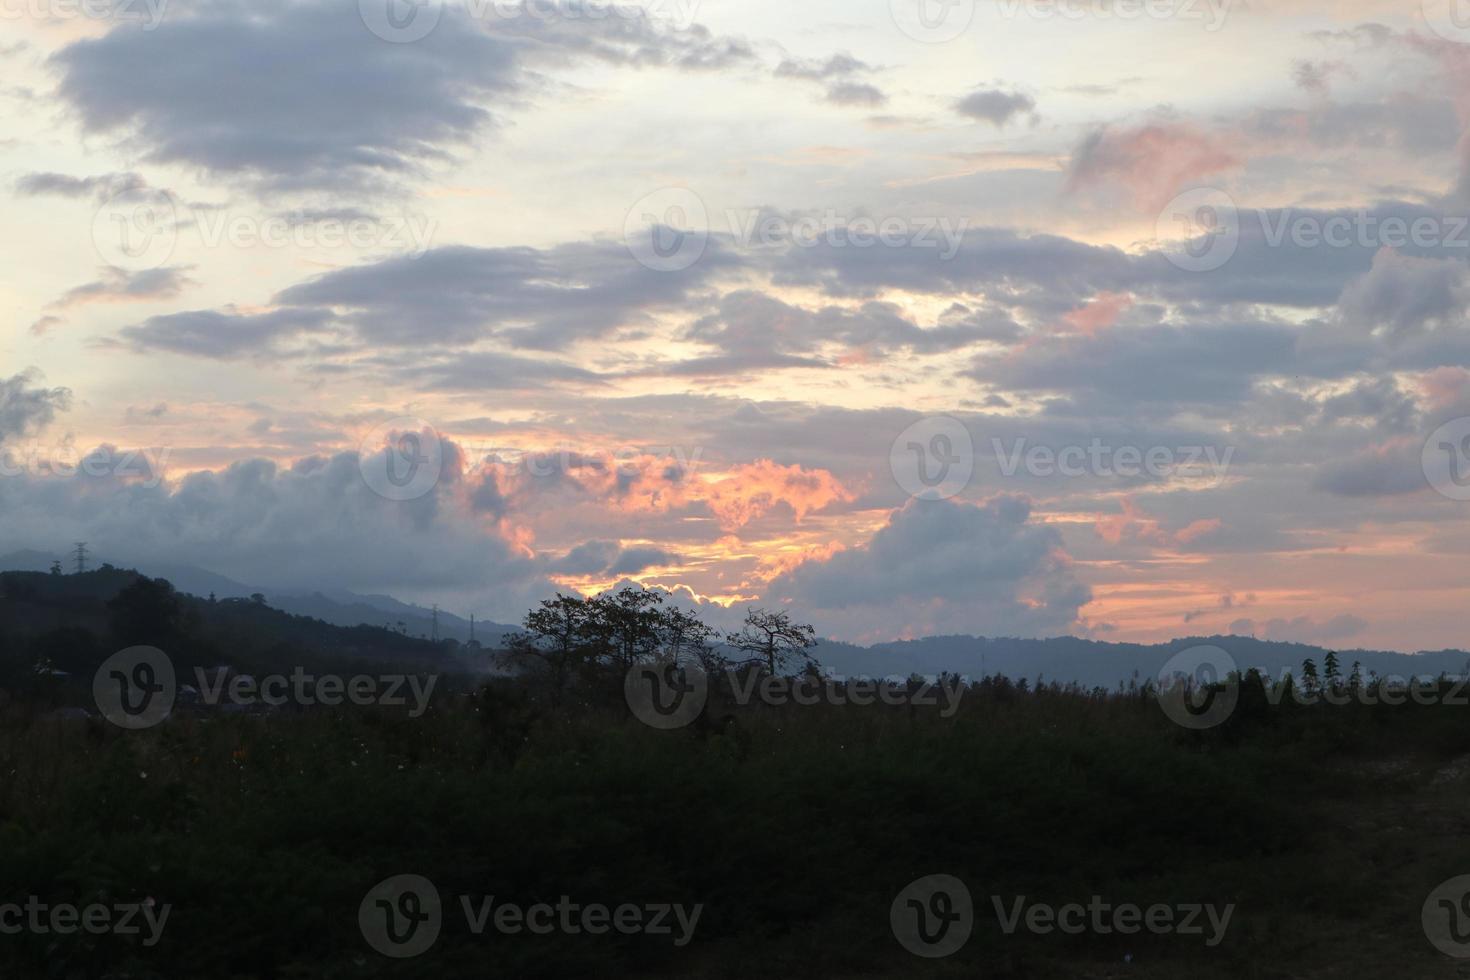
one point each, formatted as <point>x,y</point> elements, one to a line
<point>1131,319</point>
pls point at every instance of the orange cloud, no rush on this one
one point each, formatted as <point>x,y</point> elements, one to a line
<point>1444,387</point>
<point>1134,525</point>
<point>752,490</point>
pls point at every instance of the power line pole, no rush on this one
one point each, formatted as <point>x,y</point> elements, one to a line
<point>80,554</point>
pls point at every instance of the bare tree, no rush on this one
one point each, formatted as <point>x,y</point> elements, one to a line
<point>685,637</point>
<point>773,639</point>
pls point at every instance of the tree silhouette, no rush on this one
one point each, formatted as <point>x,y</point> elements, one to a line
<point>146,612</point>
<point>626,627</point>
<point>556,637</point>
<point>771,638</point>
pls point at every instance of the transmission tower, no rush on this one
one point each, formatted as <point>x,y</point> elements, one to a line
<point>80,554</point>
<point>434,635</point>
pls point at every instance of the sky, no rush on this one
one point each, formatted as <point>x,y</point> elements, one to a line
<point>1125,319</point>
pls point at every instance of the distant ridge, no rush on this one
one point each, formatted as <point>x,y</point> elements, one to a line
<point>337,607</point>
<point>1067,659</point>
<point>1095,662</point>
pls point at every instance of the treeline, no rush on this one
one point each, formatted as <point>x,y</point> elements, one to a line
<point>570,641</point>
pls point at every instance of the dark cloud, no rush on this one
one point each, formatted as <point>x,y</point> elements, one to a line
<point>123,286</point>
<point>1149,368</point>
<point>223,333</point>
<point>841,74</point>
<point>533,298</point>
<point>949,565</point>
<point>856,93</point>
<point>609,558</point>
<point>102,186</point>
<point>316,521</point>
<point>27,407</point>
<point>754,330</point>
<point>996,106</point>
<point>840,65</point>
<point>1377,471</point>
<point>299,95</point>
<point>292,94</point>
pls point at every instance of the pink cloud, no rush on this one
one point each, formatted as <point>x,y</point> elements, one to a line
<point>1151,162</point>
<point>1098,314</point>
<point>1134,526</point>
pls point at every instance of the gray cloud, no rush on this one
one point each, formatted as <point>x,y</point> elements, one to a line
<point>102,186</point>
<point>534,298</point>
<point>26,407</point>
<point>856,93</point>
<point>222,333</point>
<point>609,558</point>
<point>945,565</point>
<point>313,522</point>
<point>996,106</point>
<point>301,95</point>
<point>841,74</point>
<point>123,286</point>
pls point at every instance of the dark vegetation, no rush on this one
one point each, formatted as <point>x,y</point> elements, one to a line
<point>794,826</point>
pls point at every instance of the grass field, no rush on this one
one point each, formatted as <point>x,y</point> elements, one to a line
<point>794,828</point>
